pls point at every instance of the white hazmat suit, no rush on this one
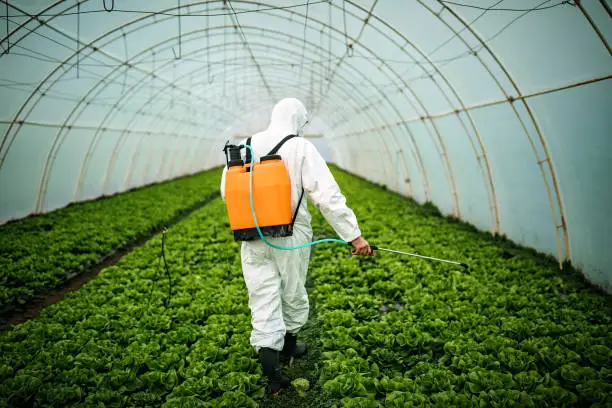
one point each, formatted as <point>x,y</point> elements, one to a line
<point>275,279</point>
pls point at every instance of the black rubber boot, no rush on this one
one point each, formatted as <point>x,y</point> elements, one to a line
<point>270,361</point>
<point>292,348</point>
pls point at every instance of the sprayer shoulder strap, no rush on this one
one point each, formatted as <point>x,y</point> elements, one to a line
<point>297,208</point>
<point>274,151</point>
<point>280,144</point>
<point>248,151</point>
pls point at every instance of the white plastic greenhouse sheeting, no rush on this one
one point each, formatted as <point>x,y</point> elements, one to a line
<point>499,112</point>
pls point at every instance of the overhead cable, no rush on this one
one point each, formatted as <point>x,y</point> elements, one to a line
<point>78,36</point>
<point>454,35</point>
<point>180,34</point>
<point>482,45</point>
<point>303,43</point>
<point>165,13</point>
<point>246,44</point>
<point>537,8</point>
<point>8,40</point>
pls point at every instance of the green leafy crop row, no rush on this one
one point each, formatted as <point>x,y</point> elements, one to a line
<point>115,343</point>
<point>37,253</point>
<point>401,332</point>
<point>395,331</point>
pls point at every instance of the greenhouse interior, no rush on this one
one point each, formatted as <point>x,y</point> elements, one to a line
<point>470,139</point>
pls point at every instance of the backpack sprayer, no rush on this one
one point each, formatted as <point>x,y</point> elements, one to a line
<point>270,190</point>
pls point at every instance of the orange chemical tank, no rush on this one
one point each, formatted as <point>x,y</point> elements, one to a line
<point>271,199</point>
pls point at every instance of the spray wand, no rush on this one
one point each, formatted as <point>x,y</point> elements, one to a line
<point>331,240</point>
<point>464,265</point>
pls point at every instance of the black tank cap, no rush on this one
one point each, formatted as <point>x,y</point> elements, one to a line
<point>270,157</point>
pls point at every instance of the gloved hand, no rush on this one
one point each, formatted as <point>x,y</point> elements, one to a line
<point>361,247</point>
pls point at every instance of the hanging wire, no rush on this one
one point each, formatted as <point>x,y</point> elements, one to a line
<point>322,66</point>
<point>303,43</point>
<point>348,52</point>
<point>456,34</point>
<point>38,56</point>
<point>246,44</point>
<point>329,43</point>
<point>78,36</point>
<point>210,78</point>
<point>125,50</point>
<point>346,43</point>
<point>153,74</point>
<point>8,40</point>
<point>48,57</point>
<point>112,7</point>
<point>537,8</point>
<point>448,40</point>
<point>180,34</point>
<point>165,13</point>
<point>481,46</point>
<point>65,66</point>
<point>224,52</point>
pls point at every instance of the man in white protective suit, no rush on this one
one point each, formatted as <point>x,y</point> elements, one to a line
<point>275,279</point>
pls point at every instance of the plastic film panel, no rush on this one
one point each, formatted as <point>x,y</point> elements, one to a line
<point>128,158</point>
<point>93,182</point>
<point>584,170</point>
<point>440,189</point>
<point>535,48</point>
<point>471,187</point>
<point>525,209</point>
<point>22,170</point>
<point>65,172</point>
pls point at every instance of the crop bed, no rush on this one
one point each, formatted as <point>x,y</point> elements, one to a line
<point>38,253</point>
<point>386,331</point>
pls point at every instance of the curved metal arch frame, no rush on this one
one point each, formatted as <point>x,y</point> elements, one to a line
<point>487,175</point>
<point>540,162</point>
<point>114,109</point>
<point>406,128</point>
<point>286,84</point>
<point>255,28</point>
<point>489,185</point>
<point>324,25</point>
<point>275,16</point>
<point>61,136</point>
<point>58,142</point>
<point>528,110</point>
<point>88,46</point>
<point>493,206</point>
<point>81,178</point>
<point>444,156</point>
<point>367,80</point>
<point>510,99</point>
<point>161,90</point>
<point>594,25</point>
<point>67,126</point>
<point>138,152</point>
<point>346,93</point>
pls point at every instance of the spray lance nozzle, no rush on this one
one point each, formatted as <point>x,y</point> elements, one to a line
<point>377,248</point>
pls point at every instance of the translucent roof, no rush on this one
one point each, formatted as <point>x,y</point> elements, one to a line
<point>497,111</point>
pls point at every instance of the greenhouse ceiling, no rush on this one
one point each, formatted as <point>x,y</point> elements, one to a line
<point>496,111</point>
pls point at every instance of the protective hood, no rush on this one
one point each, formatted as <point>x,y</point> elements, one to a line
<point>289,117</point>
